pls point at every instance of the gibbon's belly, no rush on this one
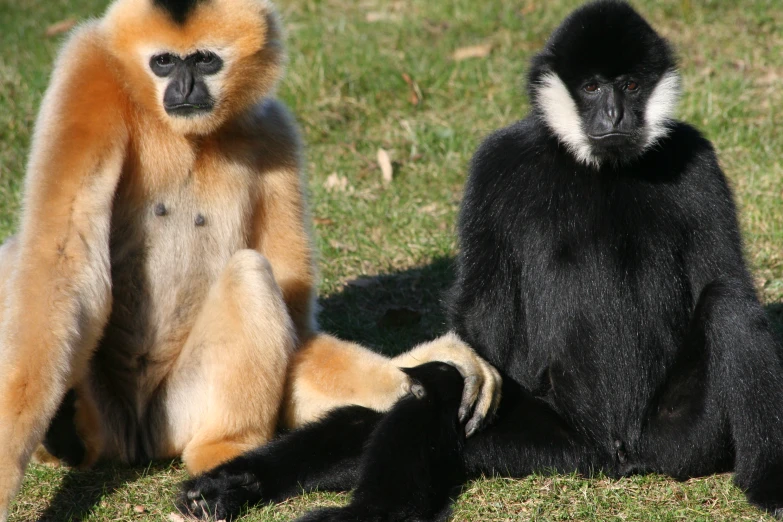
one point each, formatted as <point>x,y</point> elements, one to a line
<point>165,255</point>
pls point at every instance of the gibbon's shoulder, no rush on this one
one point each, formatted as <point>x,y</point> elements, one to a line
<point>509,159</point>
<point>85,51</point>
<point>271,131</point>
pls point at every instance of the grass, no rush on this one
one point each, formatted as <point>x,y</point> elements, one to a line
<point>386,252</point>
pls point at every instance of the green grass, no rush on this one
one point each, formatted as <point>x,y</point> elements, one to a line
<point>388,248</point>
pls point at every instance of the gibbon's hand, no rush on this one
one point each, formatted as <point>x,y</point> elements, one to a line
<point>220,494</point>
<point>483,384</point>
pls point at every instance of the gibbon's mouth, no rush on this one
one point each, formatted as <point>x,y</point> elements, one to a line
<point>610,135</point>
<point>188,109</point>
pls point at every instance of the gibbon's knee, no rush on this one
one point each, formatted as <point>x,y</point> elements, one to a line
<point>243,329</point>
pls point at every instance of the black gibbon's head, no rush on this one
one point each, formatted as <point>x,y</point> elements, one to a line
<point>196,63</point>
<point>437,380</point>
<point>605,84</point>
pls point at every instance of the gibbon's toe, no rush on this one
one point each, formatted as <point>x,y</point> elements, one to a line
<point>218,495</point>
<point>481,395</point>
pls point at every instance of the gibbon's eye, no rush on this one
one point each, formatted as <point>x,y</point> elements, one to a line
<point>205,58</point>
<point>207,62</point>
<point>162,64</point>
<point>631,86</point>
<point>163,60</point>
<point>591,87</point>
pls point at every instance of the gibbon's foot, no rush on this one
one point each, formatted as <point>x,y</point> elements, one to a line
<point>221,494</point>
<point>481,393</point>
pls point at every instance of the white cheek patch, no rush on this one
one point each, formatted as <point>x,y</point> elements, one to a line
<point>562,117</point>
<point>660,107</point>
<point>146,54</point>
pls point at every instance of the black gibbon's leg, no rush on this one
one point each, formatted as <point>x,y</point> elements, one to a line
<point>404,478</point>
<point>747,376</point>
<point>529,436</point>
<point>414,459</point>
<point>724,409</point>
<point>322,455</point>
<point>62,440</point>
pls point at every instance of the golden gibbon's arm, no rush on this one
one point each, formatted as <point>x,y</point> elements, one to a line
<point>59,297</point>
<point>280,221</point>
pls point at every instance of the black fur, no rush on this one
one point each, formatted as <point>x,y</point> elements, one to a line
<point>177,9</point>
<point>424,433</point>
<point>615,301</point>
<point>421,429</point>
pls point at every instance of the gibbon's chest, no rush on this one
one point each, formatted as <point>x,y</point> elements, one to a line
<point>175,224</point>
<point>606,260</point>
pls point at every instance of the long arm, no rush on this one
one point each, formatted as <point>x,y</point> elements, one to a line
<point>281,231</point>
<point>59,295</point>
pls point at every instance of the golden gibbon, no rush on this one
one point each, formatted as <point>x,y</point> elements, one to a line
<point>163,276</point>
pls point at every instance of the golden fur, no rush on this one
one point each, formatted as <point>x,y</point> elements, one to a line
<point>177,338</point>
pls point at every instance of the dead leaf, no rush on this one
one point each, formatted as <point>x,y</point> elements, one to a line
<point>415,96</point>
<point>323,221</point>
<point>336,182</point>
<point>398,317</point>
<point>63,26</point>
<point>386,167</point>
<point>176,517</point>
<point>473,51</point>
<point>139,509</point>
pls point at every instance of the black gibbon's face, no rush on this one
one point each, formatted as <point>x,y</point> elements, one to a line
<point>611,111</point>
<point>187,89</point>
<point>605,84</point>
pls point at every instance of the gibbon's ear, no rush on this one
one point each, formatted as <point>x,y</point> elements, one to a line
<point>177,9</point>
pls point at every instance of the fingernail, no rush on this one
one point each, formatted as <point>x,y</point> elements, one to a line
<point>470,428</point>
<point>463,413</point>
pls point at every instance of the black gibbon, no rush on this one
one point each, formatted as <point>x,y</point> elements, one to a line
<point>601,270</point>
<point>164,255</point>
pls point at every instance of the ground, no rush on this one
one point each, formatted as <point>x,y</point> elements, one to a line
<point>365,75</point>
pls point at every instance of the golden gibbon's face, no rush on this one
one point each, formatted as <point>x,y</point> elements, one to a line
<point>197,73</point>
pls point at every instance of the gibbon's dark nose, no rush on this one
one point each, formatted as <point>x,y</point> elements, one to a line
<point>614,109</point>
<point>186,94</point>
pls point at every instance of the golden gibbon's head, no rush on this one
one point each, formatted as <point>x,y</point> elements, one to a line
<point>196,63</point>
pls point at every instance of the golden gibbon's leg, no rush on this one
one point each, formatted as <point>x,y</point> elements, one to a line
<point>327,373</point>
<point>224,394</point>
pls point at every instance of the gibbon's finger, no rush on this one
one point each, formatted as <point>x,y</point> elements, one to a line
<point>470,393</point>
<point>498,395</point>
<point>489,398</point>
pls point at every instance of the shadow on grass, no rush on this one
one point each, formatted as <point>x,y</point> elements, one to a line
<point>80,492</point>
<point>391,312</point>
<point>775,314</point>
